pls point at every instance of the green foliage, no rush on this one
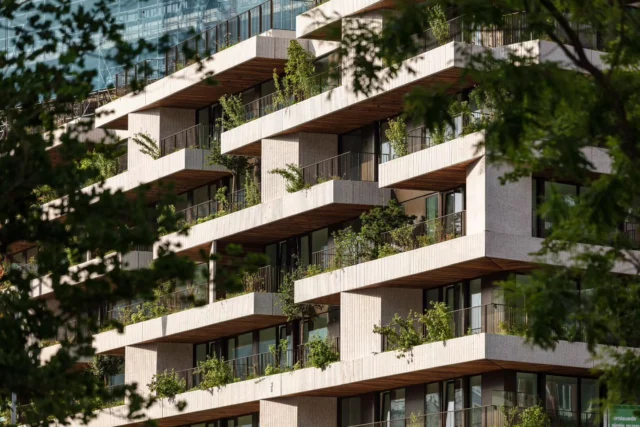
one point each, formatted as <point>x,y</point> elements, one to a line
<point>222,201</point>
<point>165,219</point>
<point>167,384</point>
<point>99,164</point>
<point>215,373</point>
<point>298,83</point>
<point>238,165</point>
<point>534,416</point>
<point>349,248</point>
<point>251,191</point>
<point>44,194</point>
<point>103,366</point>
<point>321,352</point>
<point>286,300</point>
<point>294,177</point>
<point>437,19</point>
<point>401,334</point>
<point>280,361</point>
<point>438,323</point>
<point>380,220</point>
<point>147,144</point>
<point>233,112</point>
<point>397,136</point>
<point>415,420</point>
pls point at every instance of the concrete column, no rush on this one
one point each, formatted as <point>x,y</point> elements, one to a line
<point>157,123</point>
<point>299,412</point>
<point>361,311</point>
<point>300,149</point>
<point>143,361</point>
<point>492,206</point>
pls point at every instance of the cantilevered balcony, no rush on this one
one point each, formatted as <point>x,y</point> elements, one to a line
<point>197,136</point>
<point>295,213</point>
<point>469,355</point>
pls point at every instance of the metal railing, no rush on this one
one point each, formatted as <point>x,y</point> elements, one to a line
<point>165,304</point>
<point>631,231</point>
<point>198,136</point>
<point>486,416</point>
<point>144,73</point>
<point>256,365</point>
<point>272,14</point>
<point>513,398</point>
<point>321,82</point>
<point>512,31</point>
<point>205,211</point>
<point>266,279</point>
<point>413,236</point>
<point>499,319</point>
<point>348,166</point>
<point>87,107</point>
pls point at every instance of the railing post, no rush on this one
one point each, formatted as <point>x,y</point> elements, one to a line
<point>271,14</point>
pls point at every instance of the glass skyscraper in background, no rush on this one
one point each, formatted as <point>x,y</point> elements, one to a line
<point>145,19</point>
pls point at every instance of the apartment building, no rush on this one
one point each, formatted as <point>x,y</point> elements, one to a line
<point>467,233</point>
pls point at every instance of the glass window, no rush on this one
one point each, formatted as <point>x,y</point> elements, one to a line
<point>200,195</point>
<point>432,404</point>
<point>350,411</point>
<point>319,240</point>
<point>305,256</point>
<point>245,345</point>
<point>392,405</point>
<point>527,389</point>
<point>267,337</point>
<point>475,315</point>
<point>201,353</point>
<point>317,327</point>
<point>561,395</point>
<point>432,207</point>
<point>589,399</point>
<point>245,421</point>
<point>475,391</point>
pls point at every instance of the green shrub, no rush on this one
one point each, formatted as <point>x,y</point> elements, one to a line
<point>293,175</point>
<point>321,353</point>
<point>401,334</point>
<point>147,144</point>
<point>438,323</point>
<point>167,384</point>
<point>215,373</point>
<point>233,112</point>
<point>438,22</point>
<point>397,136</point>
<point>251,191</point>
<point>349,248</point>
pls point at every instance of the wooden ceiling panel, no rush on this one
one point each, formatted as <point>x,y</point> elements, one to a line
<point>440,180</point>
<point>239,78</point>
<point>363,113</point>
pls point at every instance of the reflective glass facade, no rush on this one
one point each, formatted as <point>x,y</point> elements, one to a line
<point>149,20</point>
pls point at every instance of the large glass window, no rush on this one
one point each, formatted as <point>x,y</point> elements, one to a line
<point>527,389</point>
<point>392,407</point>
<point>562,395</point>
<point>432,404</point>
<point>350,411</point>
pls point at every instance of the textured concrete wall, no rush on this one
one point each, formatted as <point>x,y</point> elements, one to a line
<point>299,412</point>
<point>157,123</point>
<point>492,206</point>
<point>300,149</point>
<point>142,362</point>
<point>361,311</point>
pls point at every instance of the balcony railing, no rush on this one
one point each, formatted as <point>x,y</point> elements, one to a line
<point>409,237</point>
<point>198,136</point>
<point>485,416</point>
<point>210,209</point>
<point>499,319</point>
<point>163,305</point>
<point>270,15</point>
<point>144,73</point>
<point>348,166</point>
<point>513,31</point>
<point>87,107</point>
<point>256,365</point>
<point>321,82</point>
<point>266,279</point>
<point>420,138</point>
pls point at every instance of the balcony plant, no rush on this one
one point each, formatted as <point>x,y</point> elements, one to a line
<point>397,135</point>
<point>105,166</point>
<point>438,323</point>
<point>215,373</point>
<point>237,165</point>
<point>281,362</point>
<point>380,220</point>
<point>222,201</point>
<point>321,353</point>
<point>251,190</point>
<point>298,83</point>
<point>233,112</point>
<point>167,384</point>
<point>104,366</point>
<point>147,144</point>
<point>437,19</point>
<point>286,300</point>
<point>294,177</point>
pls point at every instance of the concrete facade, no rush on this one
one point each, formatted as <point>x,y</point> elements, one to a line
<point>495,241</point>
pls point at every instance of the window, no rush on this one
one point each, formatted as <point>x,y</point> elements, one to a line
<point>350,411</point>
<point>432,404</point>
<point>527,389</point>
<point>561,395</point>
<point>392,405</point>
